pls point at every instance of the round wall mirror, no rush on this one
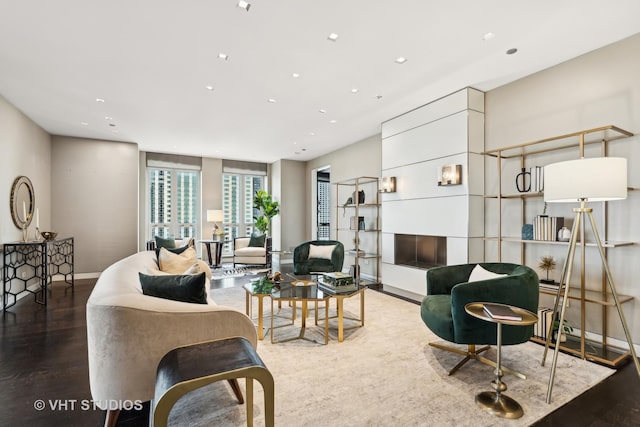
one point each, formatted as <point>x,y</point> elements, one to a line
<point>22,202</point>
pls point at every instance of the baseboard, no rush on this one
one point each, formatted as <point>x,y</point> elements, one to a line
<point>402,293</point>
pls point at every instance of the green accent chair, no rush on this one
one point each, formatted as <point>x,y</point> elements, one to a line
<point>307,260</point>
<point>448,291</point>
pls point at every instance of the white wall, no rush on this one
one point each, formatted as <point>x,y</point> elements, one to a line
<point>95,199</point>
<point>596,89</point>
<point>25,150</point>
<point>415,146</point>
<point>288,188</point>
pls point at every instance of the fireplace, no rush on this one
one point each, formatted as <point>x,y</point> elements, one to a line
<point>420,251</point>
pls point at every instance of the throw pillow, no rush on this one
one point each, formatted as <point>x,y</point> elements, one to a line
<point>176,263</point>
<point>322,252</point>
<point>257,241</point>
<point>480,273</point>
<point>185,288</point>
<point>161,242</point>
<point>194,269</point>
<point>178,251</point>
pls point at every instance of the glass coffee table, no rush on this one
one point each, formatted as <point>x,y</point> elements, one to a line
<point>339,297</point>
<point>303,291</point>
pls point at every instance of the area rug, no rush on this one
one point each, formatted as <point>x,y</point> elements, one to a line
<point>225,273</point>
<point>383,374</point>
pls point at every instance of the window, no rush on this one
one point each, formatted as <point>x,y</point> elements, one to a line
<point>173,202</point>
<point>237,204</point>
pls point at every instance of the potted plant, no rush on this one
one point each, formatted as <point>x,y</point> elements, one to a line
<point>566,329</point>
<point>547,263</point>
<point>267,207</point>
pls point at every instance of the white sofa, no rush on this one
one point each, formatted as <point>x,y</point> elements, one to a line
<point>129,332</point>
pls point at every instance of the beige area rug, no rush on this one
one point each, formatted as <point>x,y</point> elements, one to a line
<point>384,374</point>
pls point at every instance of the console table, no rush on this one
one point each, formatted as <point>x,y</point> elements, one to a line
<point>35,263</point>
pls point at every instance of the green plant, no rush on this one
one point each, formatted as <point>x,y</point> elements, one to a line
<point>263,286</point>
<point>267,207</point>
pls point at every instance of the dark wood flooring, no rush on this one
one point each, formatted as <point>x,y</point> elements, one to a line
<point>44,359</point>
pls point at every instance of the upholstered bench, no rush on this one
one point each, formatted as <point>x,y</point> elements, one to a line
<point>185,369</point>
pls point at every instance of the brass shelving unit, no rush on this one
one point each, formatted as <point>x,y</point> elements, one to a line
<point>369,209</point>
<point>572,143</point>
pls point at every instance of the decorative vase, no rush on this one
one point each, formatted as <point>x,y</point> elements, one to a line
<point>564,234</point>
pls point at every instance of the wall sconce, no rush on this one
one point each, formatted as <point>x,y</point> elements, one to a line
<point>450,175</point>
<point>388,184</point>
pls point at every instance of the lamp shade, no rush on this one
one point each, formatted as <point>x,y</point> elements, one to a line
<point>596,179</point>
<point>214,215</point>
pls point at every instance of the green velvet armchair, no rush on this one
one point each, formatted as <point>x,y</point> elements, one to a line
<point>318,255</point>
<point>449,290</point>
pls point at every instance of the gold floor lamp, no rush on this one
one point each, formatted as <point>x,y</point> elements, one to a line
<point>585,180</point>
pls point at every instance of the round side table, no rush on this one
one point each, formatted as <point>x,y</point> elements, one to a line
<point>494,401</point>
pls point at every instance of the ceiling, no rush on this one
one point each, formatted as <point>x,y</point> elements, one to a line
<point>151,61</point>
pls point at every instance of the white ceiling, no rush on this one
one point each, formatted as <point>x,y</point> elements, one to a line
<point>151,60</point>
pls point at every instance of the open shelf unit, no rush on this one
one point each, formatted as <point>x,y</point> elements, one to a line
<point>358,226</point>
<point>569,145</point>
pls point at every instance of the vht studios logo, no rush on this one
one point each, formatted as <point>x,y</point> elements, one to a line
<point>85,404</point>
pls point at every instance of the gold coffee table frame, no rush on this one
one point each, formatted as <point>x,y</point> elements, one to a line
<point>495,402</point>
<point>305,291</point>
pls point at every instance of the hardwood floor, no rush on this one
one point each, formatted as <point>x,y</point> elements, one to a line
<point>44,357</point>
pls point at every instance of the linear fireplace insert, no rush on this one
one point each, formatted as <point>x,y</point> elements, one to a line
<point>420,251</point>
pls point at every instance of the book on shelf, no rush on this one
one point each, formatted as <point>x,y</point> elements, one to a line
<point>546,227</point>
<point>501,312</point>
<point>545,320</point>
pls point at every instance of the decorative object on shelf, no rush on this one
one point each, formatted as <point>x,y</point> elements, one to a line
<point>537,180</point>
<point>388,184</point>
<point>450,175</point>
<point>216,216</point>
<point>267,207</point>
<point>527,232</point>
<point>547,263</point>
<point>523,181</point>
<point>564,234</point>
<point>597,179</point>
<point>566,329</point>
<point>357,223</point>
<point>48,236</point>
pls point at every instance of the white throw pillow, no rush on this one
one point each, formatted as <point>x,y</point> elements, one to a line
<point>176,263</point>
<point>480,273</point>
<point>322,252</point>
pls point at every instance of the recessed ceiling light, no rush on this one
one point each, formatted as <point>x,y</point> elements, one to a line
<point>332,37</point>
<point>322,110</point>
<point>244,5</point>
<point>401,60</point>
<point>354,90</point>
<point>312,133</point>
<point>271,100</point>
<point>223,56</point>
<point>209,87</point>
<point>333,121</point>
<point>108,118</point>
<point>84,123</point>
<point>295,75</point>
<point>99,100</point>
<point>488,36</point>
<point>512,51</point>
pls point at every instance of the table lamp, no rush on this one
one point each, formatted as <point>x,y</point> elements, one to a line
<point>215,216</point>
<point>581,181</point>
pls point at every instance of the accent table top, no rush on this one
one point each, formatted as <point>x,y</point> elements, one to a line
<point>475,309</point>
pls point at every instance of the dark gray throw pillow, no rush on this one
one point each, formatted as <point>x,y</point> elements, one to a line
<point>257,241</point>
<point>185,288</point>
<point>169,243</point>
